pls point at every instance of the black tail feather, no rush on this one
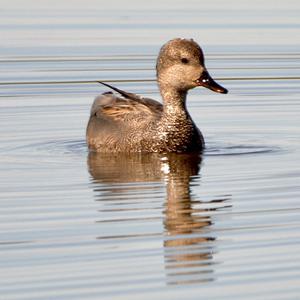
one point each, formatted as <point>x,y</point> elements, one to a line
<point>121,92</point>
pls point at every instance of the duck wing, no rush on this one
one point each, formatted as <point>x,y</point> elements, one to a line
<point>130,107</point>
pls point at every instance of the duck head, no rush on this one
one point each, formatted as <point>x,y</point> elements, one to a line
<point>180,66</point>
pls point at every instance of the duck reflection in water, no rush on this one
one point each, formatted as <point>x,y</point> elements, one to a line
<point>189,243</point>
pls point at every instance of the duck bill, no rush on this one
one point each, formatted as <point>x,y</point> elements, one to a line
<point>206,81</point>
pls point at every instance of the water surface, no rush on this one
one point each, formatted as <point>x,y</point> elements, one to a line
<point>77,225</point>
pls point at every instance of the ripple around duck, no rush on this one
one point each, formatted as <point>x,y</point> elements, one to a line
<point>239,150</point>
<point>75,147</point>
<point>79,147</point>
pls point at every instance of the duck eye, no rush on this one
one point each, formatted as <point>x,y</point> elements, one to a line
<point>184,60</point>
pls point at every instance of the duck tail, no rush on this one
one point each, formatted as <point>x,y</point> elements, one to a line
<point>121,92</point>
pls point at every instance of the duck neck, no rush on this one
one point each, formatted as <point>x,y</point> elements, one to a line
<point>174,103</point>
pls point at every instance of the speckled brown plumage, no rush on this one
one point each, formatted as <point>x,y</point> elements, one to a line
<point>134,124</point>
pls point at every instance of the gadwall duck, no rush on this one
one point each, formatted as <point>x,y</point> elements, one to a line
<point>135,124</point>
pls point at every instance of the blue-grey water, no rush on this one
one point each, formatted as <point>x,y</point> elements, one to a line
<point>74,225</point>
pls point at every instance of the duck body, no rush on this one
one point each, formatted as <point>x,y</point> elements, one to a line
<point>136,124</point>
<point>130,123</point>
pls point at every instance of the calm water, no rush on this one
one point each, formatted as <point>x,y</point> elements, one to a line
<point>76,225</point>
